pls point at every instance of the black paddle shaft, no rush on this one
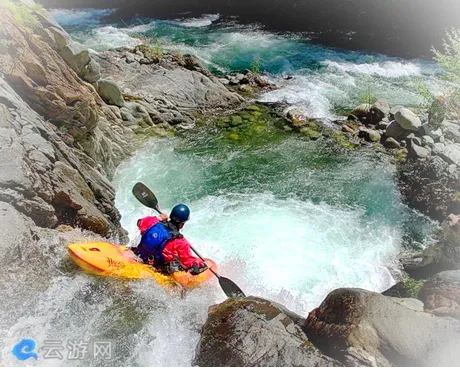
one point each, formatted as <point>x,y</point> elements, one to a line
<point>144,195</point>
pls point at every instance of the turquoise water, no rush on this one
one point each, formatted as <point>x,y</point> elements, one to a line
<point>285,218</point>
<point>324,79</point>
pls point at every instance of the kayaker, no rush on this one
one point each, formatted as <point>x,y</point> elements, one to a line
<point>164,247</point>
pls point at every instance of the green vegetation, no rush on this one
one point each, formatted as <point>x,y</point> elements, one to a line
<point>63,129</point>
<point>367,96</point>
<point>157,50</point>
<point>413,287</point>
<point>255,66</point>
<point>449,59</point>
<point>23,14</point>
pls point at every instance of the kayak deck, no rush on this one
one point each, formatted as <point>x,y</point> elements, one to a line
<point>113,260</point>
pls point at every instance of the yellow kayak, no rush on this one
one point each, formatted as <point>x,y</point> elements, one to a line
<point>107,259</point>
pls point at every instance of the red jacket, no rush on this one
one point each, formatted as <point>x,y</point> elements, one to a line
<point>176,247</point>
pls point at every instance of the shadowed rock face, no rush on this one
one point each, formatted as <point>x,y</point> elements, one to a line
<point>255,332</point>
<point>397,27</point>
<point>379,331</point>
<point>441,294</point>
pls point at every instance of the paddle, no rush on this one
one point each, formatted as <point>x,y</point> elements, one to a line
<point>148,199</point>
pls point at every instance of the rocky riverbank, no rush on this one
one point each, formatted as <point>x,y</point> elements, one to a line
<point>67,124</point>
<point>69,117</point>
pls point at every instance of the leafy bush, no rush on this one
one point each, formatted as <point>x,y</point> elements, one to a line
<point>23,14</point>
<point>413,287</point>
<point>449,60</point>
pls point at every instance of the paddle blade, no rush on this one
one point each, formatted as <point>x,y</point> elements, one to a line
<point>145,196</point>
<point>230,288</point>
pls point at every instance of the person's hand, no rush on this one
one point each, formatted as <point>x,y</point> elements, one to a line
<point>163,216</point>
<point>197,269</point>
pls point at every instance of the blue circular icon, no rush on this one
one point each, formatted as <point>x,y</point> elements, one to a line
<point>25,349</point>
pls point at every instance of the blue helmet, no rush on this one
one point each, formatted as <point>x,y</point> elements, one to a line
<point>180,213</point>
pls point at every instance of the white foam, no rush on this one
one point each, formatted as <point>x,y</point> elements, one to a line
<point>66,17</point>
<point>109,37</point>
<point>387,69</point>
<point>204,21</point>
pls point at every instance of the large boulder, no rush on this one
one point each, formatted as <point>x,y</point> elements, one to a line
<point>74,54</point>
<point>110,92</point>
<point>407,119</point>
<point>382,331</point>
<point>382,108</point>
<point>255,332</point>
<point>441,294</point>
<point>394,130</point>
<point>46,180</point>
<point>175,92</point>
<point>45,81</point>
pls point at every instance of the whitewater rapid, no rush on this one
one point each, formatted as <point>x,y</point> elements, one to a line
<point>321,80</point>
<point>289,221</point>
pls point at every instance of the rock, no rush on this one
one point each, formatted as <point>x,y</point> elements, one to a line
<point>451,131</point>
<point>407,119</point>
<point>110,92</point>
<point>441,139</point>
<point>436,134</point>
<point>46,82</point>
<point>176,102</point>
<point>392,143</point>
<point>15,232</point>
<point>394,109</point>
<point>361,110</point>
<point>91,72</point>
<point>410,303</point>
<point>310,133</point>
<point>438,148</point>
<point>382,125</point>
<point>399,290</point>
<point>427,141</point>
<point>134,113</point>
<point>348,129</point>
<point>394,130</point>
<point>418,152</point>
<point>382,330</point>
<point>441,294</point>
<point>255,332</point>
<point>224,81</point>
<point>46,180</point>
<point>369,135</point>
<point>246,89</point>
<point>412,139</point>
<point>236,120</point>
<point>381,109</point>
<point>450,153</point>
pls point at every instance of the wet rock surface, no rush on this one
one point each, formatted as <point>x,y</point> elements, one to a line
<point>255,332</point>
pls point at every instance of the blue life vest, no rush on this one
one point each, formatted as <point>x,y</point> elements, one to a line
<point>153,242</point>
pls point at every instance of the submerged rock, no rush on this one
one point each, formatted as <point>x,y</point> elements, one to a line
<point>255,332</point>
<point>382,331</point>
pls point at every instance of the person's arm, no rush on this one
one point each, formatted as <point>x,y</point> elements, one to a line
<point>181,249</point>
